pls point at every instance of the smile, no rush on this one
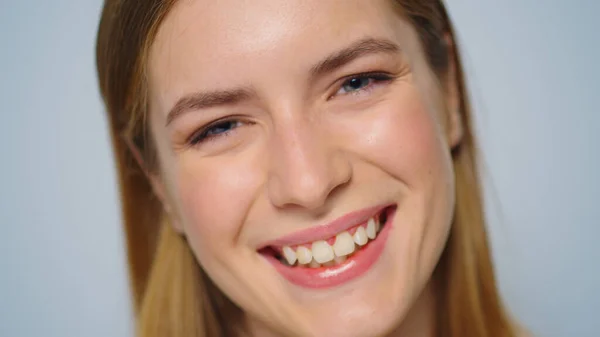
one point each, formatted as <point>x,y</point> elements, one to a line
<point>337,253</point>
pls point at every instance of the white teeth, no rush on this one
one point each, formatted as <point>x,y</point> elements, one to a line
<point>360,237</point>
<point>322,251</point>
<point>339,259</point>
<point>289,255</point>
<point>344,244</point>
<point>329,263</point>
<point>304,255</point>
<point>371,232</point>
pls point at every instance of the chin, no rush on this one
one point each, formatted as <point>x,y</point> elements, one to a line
<point>376,316</point>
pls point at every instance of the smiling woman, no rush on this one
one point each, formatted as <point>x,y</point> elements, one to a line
<point>297,168</point>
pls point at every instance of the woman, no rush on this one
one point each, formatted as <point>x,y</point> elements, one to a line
<point>297,168</point>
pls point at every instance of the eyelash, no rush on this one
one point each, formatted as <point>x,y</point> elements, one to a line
<point>204,134</point>
<point>373,77</point>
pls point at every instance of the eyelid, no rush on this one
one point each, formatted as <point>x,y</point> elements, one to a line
<point>191,140</point>
<point>380,76</point>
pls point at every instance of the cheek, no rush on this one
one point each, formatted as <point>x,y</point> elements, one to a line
<point>407,143</point>
<point>215,199</point>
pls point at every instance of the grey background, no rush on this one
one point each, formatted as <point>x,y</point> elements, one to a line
<point>533,70</point>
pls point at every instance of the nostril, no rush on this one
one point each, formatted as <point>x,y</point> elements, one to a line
<point>307,176</point>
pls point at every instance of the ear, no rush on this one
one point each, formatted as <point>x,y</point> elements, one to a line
<point>157,183</point>
<point>454,121</point>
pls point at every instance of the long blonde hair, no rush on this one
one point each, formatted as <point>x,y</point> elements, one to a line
<point>172,295</point>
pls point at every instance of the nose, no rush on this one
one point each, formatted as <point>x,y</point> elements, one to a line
<point>305,166</point>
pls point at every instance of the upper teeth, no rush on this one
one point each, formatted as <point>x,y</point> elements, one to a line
<point>321,252</point>
<point>344,244</point>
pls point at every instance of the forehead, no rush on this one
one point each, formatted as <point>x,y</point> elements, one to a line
<point>205,44</point>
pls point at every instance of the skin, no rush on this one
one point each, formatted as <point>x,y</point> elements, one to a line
<point>304,150</point>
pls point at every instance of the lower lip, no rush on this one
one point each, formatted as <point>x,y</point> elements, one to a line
<point>327,277</point>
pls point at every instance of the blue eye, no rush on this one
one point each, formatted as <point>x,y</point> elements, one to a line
<point>218,129</point>
<point>354,84</point>
<point>361,82</point>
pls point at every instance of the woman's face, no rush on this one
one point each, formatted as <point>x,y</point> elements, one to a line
<point>306,156</point>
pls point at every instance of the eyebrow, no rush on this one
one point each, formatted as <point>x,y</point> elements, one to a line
<point>205,100</point>
<point>356,50</point>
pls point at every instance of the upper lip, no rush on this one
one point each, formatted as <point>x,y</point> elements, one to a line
<point>328,230</point>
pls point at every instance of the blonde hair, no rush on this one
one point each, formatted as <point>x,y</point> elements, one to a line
<point>173,296</point>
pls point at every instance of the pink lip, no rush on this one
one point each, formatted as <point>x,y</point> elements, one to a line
<point>324,277</point>
<point>326,231</point>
